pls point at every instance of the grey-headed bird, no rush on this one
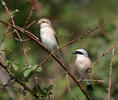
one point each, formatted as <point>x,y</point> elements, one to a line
<point>82,63</point>
<point>48,35</point>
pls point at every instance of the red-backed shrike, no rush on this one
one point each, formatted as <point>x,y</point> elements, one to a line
<point>83,63</point>
<point>48,35</point>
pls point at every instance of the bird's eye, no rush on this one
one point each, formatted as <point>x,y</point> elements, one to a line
<point>43,21</point>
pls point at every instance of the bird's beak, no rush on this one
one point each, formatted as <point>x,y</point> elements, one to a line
<point>38,23</point>
<point>74,53</point>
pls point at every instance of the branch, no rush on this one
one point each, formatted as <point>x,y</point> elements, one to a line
<point>30,24</point>
<point>28,18</point>
<point>33,37</point>
<point>98,81</point>
<point>110,72</point>
<point>4,35</point>
<point>17,87</point>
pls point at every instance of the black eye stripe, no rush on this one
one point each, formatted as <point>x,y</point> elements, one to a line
<point>78,52</point>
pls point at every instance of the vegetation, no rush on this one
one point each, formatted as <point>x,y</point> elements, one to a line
<point>92,22</point>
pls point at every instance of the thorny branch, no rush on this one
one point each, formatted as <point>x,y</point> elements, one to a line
<point>33,37</point>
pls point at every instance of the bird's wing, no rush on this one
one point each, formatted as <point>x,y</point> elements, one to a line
<point>55,36</point>
<point>59,51</point>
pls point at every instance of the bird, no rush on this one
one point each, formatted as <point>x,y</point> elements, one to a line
<point>48,35</point>
<point>82,63</point>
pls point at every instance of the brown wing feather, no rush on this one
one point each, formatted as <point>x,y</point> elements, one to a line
<point>59,51</point>
<point>55,36</point>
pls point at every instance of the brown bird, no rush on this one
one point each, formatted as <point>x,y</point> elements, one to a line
<point>48,35</point>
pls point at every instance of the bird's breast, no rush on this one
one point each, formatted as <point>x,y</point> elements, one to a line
<point>82,63</point>
<point>47,37</point>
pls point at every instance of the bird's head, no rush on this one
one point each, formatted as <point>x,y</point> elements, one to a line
<point>43,22</point>
<point>80,52</point>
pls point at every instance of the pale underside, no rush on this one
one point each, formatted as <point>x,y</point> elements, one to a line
<point>83,63</point>
<point>48,38</point>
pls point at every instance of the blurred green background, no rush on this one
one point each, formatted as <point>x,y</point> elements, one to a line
<point>69,18</point>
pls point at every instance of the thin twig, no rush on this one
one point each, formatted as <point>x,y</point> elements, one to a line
<point>25,54</point>
<point>11,17</point>
<point>110,72</point>
<point>2,59</point>
<point>9,82</point>
<point>48,96</point>
<point>37,83</point>
<point>4,35</point>
<point>25,40</point>
<point>98,81</point>
<point>30,24</point>
<point>28,18</point>
<point>68,85</point>
<point>33,37</point>
<point>17,87</point>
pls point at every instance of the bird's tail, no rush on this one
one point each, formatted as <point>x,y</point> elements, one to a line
<point>88,83</point>
<point>89,87</point>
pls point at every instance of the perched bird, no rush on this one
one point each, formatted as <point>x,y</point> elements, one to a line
<point>48,35</point>
<point>83,63</point>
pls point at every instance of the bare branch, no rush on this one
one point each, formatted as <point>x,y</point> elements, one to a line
<point>98,81</point>
<point>110,72</point>
<point>28,18</point>
<point>4,35</point>
<point>68,85</point>
<point>17,87</point>
<point>30,24</point>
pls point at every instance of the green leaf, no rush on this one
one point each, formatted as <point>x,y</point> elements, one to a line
<point>31,68</point>
<point>15,66</point>
<point>7,62</point>
<point>39,69</point>
<point>27,72</point>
